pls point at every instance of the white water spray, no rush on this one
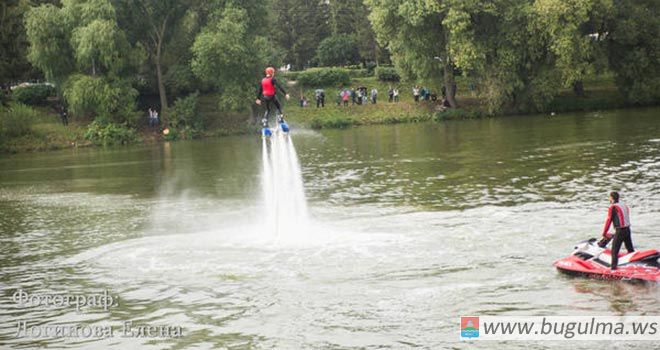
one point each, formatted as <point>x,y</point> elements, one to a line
<point>281,181</point>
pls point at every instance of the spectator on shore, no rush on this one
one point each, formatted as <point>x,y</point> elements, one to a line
<point>426,94</point>
<point>320,98</point>
<point>395,93</point>
<point>156,118</point>
<point>345,96</point>
<point>353,96</point>
<point>64,116</point>
<point>359,96</point>
<point>374,95</point>
<point>151,117</point>
<point>390,94</point>
<point>415,92</point>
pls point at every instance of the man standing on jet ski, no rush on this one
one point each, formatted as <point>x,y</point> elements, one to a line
<point>618,215</point>
<point>268,90</point>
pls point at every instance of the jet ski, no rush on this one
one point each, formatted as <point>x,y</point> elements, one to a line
<point>590,259</point>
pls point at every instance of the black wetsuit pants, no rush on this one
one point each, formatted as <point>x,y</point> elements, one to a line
<point>622,235</point>
<point>271,101</point>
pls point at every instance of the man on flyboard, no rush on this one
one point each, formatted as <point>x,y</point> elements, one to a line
<point>267,92</point>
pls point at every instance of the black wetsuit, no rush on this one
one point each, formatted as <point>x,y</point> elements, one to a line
<point>270,97</point>
<point>619,216</point>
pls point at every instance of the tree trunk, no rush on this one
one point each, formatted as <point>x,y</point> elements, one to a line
<point>450,85</point>
<point>578,88</point>
<point>159,74</point>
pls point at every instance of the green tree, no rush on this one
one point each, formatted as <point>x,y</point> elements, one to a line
<point>338,50</point>
<point>230,54</point>
<point>348,17</point>
<point>84,32</point>
<point>633,47</point>
<point>413,33</point>
<point>49,36</point>
<point>299,26</point>
<point>13,62</point>
<point>154,24</point>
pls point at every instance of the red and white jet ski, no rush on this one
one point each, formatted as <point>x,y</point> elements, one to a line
<point>589,259</point>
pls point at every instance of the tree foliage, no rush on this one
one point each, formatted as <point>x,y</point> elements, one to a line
<point>228,54</point>
<point>348,17</point>
<point>522,53</point>
<point>633,47</point>
<point>13,46</point>
<point>338,50</point>
<point>299,26</point>
<point>84,32</point>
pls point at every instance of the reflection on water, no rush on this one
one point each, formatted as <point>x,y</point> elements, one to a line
<point>413,226</point>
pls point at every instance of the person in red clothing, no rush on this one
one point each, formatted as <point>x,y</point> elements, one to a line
<point>267,92</point>
<point>618,215</point>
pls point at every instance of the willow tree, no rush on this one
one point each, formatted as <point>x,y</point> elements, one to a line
<point>81,48</point>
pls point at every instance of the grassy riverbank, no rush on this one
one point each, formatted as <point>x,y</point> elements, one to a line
<point>47,133</point>
<point>600,93</point>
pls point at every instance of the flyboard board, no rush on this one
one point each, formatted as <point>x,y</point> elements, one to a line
<point>281,125</point>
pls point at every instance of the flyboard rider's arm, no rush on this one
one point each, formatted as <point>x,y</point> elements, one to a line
<point>280,88</point>
<point>260,92</point>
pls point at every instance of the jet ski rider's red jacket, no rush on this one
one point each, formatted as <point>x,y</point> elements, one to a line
<point>619,215</point>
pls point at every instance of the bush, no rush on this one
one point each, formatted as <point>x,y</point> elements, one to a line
<point>371,66</point>
<point>290,75</point>
<point>17,120</point>
<point>33,94</point>
<point>101,97</point>
<point>182,133</point>
<point>332,122</point>
<point>359,73</point>
<point>185,113</point>
<point>324,77</point>
<point>458,113</point>
<point>107,134</point>
<point>387,74</point>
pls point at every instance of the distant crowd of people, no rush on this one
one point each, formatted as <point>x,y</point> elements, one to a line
<point>362,96</point>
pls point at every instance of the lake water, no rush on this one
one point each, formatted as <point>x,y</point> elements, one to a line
<point>410,227</point>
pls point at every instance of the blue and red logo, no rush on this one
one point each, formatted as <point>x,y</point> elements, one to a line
<point>469,326</point>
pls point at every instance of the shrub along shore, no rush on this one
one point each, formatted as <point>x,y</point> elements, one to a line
<point>38,127</point>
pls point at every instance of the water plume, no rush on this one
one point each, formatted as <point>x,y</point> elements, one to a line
<point>285,205</point>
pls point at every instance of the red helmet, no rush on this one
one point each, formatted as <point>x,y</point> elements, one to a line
<point>270,71</point>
